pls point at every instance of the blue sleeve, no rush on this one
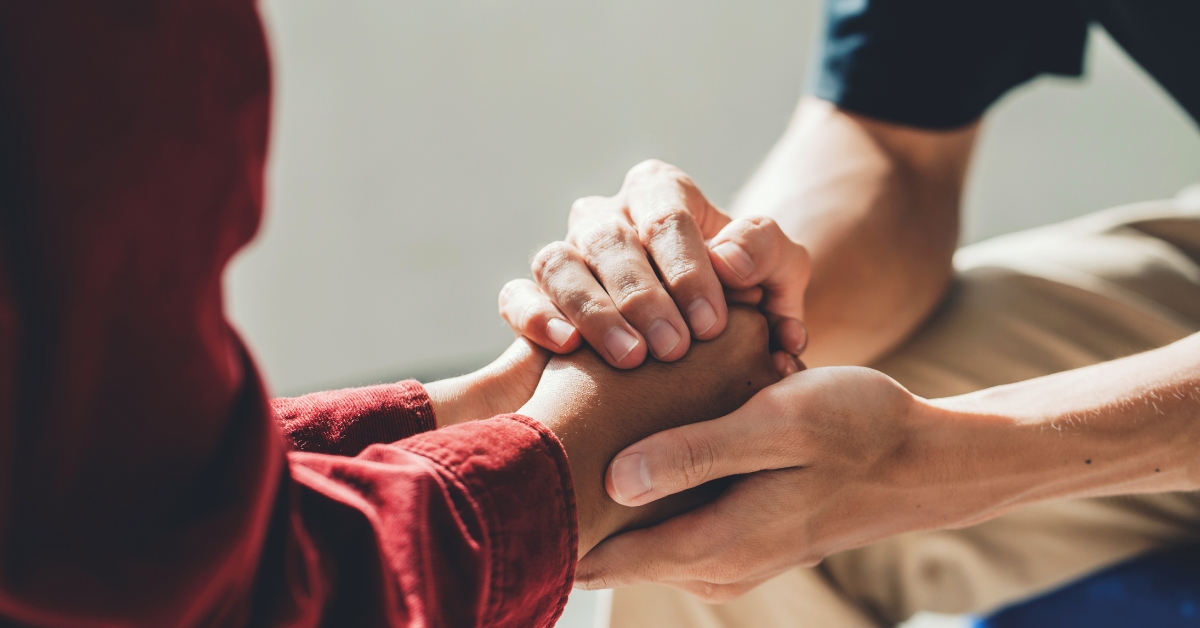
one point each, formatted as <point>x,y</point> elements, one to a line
<point>939,64</point>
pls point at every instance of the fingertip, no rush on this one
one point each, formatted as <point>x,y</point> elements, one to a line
<point>792,335</point>
<point>785,364</point>
<point>623,348</point>
<point>560,332</point>
<point>707,319</point>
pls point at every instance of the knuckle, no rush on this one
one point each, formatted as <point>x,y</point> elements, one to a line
<point>681,272</point>
<point>694,459</point>
<point>667,221</point>
<point>509,294</point>
<point>631,293</point>
<point>586,205</point>
<point>649,168</point>
<point>767,224</point>
<point>532,316</point>
<point>810,558</point>
<point>603,238</point>
<point>656,170</point>
<point>717,593</point>
<point>708,593</point>
<point>552,256</point>
<point>582,303</point>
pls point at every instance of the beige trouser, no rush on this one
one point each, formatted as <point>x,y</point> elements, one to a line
<point>1093,289</point>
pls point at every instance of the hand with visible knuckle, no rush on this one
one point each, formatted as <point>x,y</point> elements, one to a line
<point>796,502</point>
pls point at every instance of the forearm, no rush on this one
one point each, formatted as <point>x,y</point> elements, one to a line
<point>1122,427</point>
<point>877,207</point>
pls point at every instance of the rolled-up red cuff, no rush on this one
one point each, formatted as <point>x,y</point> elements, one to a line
<point>344,422</point>
<point>516,472</point>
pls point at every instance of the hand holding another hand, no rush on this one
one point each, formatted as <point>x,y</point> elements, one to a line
<point>596,410</point>
<point>836,458</point>
<point>646,271</point>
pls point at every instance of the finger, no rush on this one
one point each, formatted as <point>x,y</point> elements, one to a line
<point>671,215</point>
<point>563,276</point>
<point>616,258</point>
<point>729,540</point>
<point>713,593</point>
<point>533,315</point>
<point>679,549</point>
<point>787,334</point>
<point>755,251</point>
<point>791,335</point>
<point>786,363</point>
<point>749,439</point>
<point>748,296</point>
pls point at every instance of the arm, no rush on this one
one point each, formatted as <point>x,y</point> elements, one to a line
<point>876,205</point>
<point>847,228</point>
<point>346,421</point>
<point>869,460</point>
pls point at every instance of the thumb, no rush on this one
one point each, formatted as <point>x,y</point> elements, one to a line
<point>754,251</point>
<point>677,459</point>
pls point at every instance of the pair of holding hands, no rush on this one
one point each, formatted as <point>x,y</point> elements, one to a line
<point>649,272</point>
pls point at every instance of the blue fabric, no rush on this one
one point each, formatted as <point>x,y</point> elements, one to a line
<point>1160,590</point>
<point>941,63</point>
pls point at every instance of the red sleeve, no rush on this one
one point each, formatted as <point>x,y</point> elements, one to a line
<point>346,421</point>
<point>496,539</point>
<point>144,479</point>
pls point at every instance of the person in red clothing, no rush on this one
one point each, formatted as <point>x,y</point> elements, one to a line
<point>145,477</point>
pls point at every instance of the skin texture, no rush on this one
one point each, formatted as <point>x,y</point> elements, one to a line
<point>596,410</point>
<point>868,209</point>
<point>645,271</point>
<point>835,458</point>
<point>840,457</point>
<point>498,388</point>
<point>877,207</point>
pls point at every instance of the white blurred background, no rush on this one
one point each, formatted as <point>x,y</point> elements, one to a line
<point>423,150</point>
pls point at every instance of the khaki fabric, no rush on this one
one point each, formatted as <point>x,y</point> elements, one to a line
<point>1029,304</point>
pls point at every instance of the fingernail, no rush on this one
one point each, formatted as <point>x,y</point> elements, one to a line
<point>701,316</point>
<point>630,478</point>
<point>736,258</point>
<point>792,366</point>
<point>559,331</point>
<point>619,343</point>
<point>663,337</point>
<point>793,335</point>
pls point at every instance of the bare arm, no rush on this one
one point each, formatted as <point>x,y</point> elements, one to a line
<point>877,206</point>
<point>867,460</point>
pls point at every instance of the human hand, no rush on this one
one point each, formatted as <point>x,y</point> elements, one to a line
<point>634,266</point>
<point>596,410</point>
<point>498,388</point>
<point>838,457</point>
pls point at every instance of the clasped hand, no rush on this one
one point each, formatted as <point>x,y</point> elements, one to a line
<point>825,460</point>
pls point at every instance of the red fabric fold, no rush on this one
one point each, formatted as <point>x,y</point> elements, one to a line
<point>344,422</point>
<point>144,479</point>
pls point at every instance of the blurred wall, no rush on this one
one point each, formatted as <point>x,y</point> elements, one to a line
<point>423,150</point>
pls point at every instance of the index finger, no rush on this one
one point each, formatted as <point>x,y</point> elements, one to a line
<point>721,542</point>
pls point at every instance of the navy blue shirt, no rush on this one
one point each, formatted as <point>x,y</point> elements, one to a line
<point>939,64</point>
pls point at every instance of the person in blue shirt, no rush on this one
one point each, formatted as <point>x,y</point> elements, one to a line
<point>1031,410</point>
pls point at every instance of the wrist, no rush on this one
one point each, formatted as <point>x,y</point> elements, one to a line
<point>1116,428</point>
<point>457,400</point>
<point>498,388</point>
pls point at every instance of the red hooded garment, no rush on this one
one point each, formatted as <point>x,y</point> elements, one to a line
<point>145,478</point>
